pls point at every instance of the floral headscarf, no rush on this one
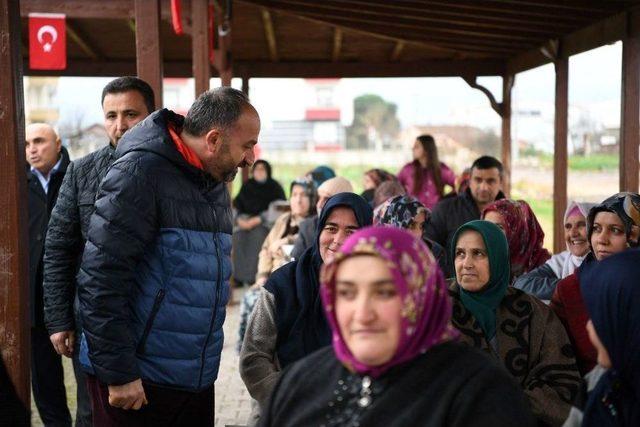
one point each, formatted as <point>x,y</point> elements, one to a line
<point>524,235</point>
<point>401,212</point>
<point>426,310</point>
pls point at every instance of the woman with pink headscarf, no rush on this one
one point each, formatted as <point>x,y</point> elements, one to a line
<point>394,359</point>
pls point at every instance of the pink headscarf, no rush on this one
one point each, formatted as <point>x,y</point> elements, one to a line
<point>426,310</point>
<point>524,234</point>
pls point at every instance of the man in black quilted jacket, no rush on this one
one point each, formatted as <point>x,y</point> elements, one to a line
<point>125,102</point>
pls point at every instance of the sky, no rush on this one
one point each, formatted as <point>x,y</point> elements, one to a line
<point>594,93</point>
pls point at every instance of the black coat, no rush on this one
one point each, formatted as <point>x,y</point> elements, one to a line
<point>449,385</point>
<point>67,234</point>
<point>40,206</point>
<point>447,216</point>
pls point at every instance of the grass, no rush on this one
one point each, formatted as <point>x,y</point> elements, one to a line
<point>593,162</point>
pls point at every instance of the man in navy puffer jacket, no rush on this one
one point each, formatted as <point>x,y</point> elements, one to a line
<point>153,283</point>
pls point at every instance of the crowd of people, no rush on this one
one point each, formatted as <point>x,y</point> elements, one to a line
<point>429,299</point>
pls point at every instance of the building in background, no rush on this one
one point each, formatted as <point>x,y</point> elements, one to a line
<point>321,129</point>
<point>40,100</point>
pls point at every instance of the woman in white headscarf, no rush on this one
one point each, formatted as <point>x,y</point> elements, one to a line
<point>542,281</point>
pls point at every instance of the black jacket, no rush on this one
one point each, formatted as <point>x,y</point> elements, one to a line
<point>153,282</point>
<point>67,234</point>
<point>449,385</point>
<point>448,215</point>
<point>40,206</point>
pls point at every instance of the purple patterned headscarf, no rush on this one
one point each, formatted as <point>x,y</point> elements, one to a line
<point>426,312</point>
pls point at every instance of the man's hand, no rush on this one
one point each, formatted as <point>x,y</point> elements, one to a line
<point>63,342</point>
<point>127,396</point>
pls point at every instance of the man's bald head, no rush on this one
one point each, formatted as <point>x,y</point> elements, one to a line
<point>42,146</point>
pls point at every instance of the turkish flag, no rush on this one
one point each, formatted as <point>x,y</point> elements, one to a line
<point>47,41</point>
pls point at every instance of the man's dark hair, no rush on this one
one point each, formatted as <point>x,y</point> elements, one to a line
<point>487,162</point>
<point>128,83</point>
<point>217,108</point>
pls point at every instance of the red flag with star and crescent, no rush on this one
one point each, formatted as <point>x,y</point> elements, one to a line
<point>47,41</point>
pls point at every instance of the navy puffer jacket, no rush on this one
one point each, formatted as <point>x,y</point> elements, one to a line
<point>153,283</point>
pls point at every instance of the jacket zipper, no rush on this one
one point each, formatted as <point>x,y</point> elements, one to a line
<point>152,316</point>
<point>216,243</point>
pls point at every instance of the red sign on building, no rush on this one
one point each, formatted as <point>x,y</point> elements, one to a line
<point>47,41</point>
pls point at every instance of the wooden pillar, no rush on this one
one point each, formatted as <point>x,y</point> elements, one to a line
<point>14,269</point>
<point>560,152</point>
<point>630,111</point>
<point>245,90</point>
<point>200,45</point>
<point>148,48</point>
<point>505,113</point>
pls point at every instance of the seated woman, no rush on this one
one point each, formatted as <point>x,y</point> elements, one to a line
<point>372,179</point>
<point>524,234</point>
<point>251,228</point>
<point>394,360</point>
<point>287,322</point>
<point>285,230</point>
<point>308,226</point>
<point>513,327</point>
<point>542,281</point>
<point>408,213</point>
<point>612,297</point>
<point>612,226</point>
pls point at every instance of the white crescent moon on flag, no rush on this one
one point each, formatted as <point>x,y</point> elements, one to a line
<point>47,29</point>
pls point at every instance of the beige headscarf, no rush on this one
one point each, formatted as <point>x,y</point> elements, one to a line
<point>336,185</point>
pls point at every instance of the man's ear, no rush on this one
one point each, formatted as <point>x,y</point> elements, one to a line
<point>213,140</point>
<point>58,144</point>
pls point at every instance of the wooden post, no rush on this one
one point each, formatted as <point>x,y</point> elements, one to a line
<point>505,113</point>
<point>630,110</point>
<point>245,90</point>
<point>560,152</point>
<point>200,45</point>
<point>14,249</point>
<point>148,49</point>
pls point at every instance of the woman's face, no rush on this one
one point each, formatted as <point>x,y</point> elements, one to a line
<point>368,309</point>
<point>575,235</point>
<point>418,151</point>
<point>603,355</point>
<point>341,223</point>
<point>496,218</point>
<point>299,201</point>
<point>260,172</point>
<point>608,236</point>
<point>472,262</point>
<point>417,225</point>
<point>368,182</point>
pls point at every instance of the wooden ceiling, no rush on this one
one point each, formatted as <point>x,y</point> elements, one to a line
<point>351,38</point>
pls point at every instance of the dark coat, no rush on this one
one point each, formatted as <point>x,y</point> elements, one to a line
<point>534,348</point>
<point>450,385</point>
<point>67,234</point>
<point>447,216</point>
<point>40,206</point>
<point>153,283</point>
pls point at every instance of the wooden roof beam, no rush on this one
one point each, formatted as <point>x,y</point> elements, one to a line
<point>604,32</point>
<point>487,6</point>
<point>412,25</point>
<point>397,51</point>
<point>80,39</point>
<point>495,105</point>
<point>337,44</point>
<point>269,34</point>
<point>428,68</point>
<point>433,16</point>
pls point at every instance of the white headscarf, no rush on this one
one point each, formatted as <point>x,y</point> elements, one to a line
<point>565,263</point>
